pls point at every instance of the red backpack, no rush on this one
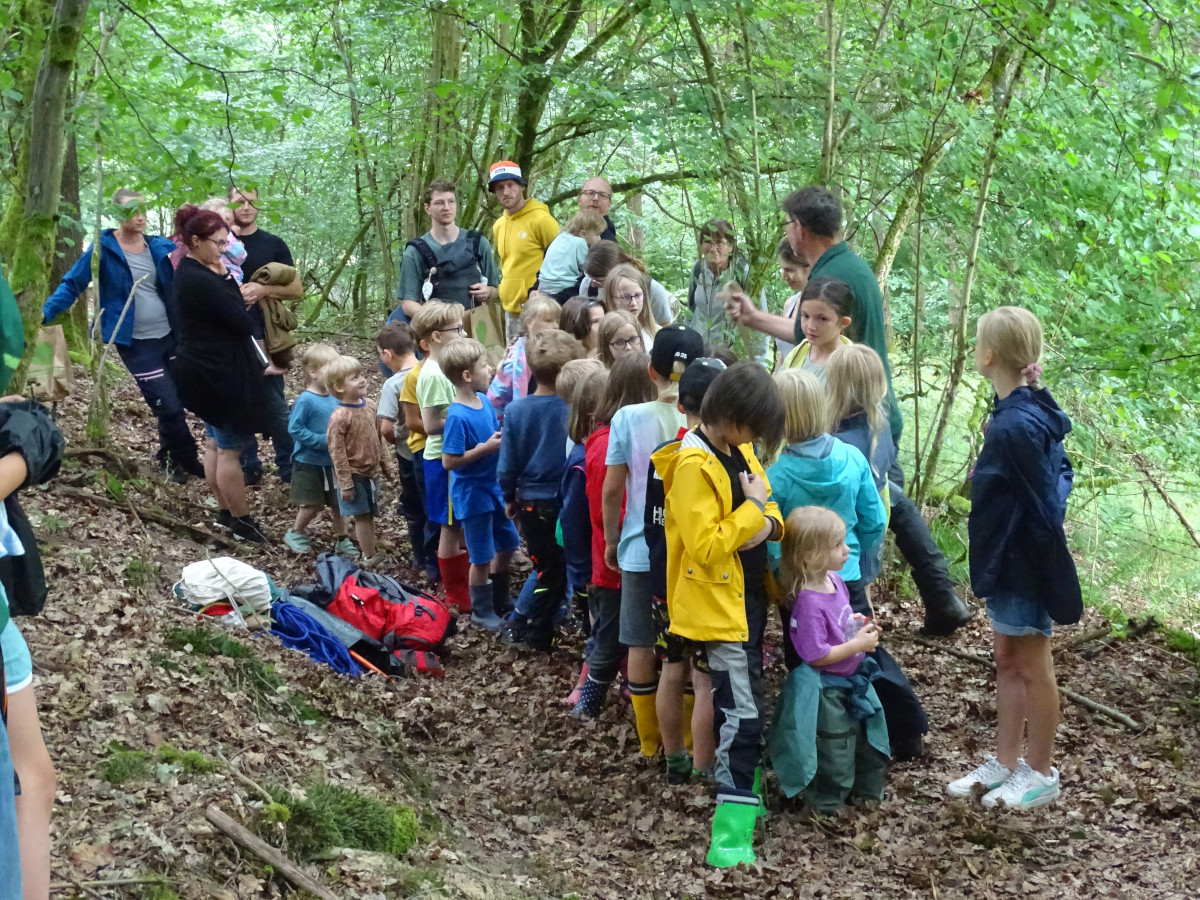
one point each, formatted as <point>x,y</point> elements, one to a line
<point>363,607</point>
<point>420,623</point>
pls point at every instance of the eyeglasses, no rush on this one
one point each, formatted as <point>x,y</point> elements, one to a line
<point>457,329</point>
<point>219,242</point>
<point>716,241</point>
<point>594,195</point>
<point>790,221</point>
<point>628,343</point>
<point>629,298</point>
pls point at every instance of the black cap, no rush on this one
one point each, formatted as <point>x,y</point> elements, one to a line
<point>675,344</point>
<point>696,380</point>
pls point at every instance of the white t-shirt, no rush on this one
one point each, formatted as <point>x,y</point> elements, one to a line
<point>389,408</point>
<point>635,433</point>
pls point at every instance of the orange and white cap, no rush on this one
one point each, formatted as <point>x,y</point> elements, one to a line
<point>505,170</point>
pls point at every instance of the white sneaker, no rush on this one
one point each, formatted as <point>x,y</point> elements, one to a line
<point>991,775</point>
<point>1025,789</point>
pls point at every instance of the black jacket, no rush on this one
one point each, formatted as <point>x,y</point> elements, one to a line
<point>26,428</point>
<point>1018,502</point>
<point>216,368</point>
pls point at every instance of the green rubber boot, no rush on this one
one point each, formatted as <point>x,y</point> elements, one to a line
<point>732,834</point>
<point>757,788</point>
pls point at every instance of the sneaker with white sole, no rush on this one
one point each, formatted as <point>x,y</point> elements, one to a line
<point>298,541</point>
<point>1026,788</point>
<point>991,775</point>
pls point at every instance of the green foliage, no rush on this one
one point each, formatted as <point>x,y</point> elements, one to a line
<point>325,816</point>
<point>141,574</point>
<point>188,760</point>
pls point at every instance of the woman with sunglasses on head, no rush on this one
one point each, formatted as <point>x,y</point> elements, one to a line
<point>136,270</point>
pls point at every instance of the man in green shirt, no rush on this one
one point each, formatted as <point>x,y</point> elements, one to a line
<point>814,231</point>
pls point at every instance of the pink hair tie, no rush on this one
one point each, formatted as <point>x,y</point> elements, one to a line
<point>1032,373</point>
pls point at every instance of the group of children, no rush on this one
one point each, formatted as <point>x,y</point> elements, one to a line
<point>635,481</point>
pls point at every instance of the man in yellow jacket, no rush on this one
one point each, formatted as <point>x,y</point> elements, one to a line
<point>520,237</point>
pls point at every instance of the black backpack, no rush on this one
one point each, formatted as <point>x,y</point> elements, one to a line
<point>455,267</point>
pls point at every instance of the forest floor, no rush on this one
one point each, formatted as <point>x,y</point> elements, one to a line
<point>516,799</point>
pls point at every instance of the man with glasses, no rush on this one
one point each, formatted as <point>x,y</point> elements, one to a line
<point>262,247</point>
<point>596,194</point>
<point>446,262</point>
<point>813,225</point>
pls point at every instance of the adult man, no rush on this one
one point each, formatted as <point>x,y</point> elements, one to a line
<point>262,247</point>
<point>814,231</point>
<point>521,235</point>
<point>596,194</point>
<point>457,263</point>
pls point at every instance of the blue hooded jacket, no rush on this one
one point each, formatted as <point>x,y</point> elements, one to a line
<point>1019,495</point>
<point>116,281</point>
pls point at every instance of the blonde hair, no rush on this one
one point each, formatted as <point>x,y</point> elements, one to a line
<point>216,204</point>
<point>314,358</point>
<point>586,221</point>
<point>585,401</point>
<point>548,351</point>
<point>809,530</point>
<point>573,372</point>
<point>806,408</point>
<point>856,380</point>
<point>457,357</point>
<point>542,307</point>
<point>435,315</point>
<point>609,326</point>
<point>335,372</point>
<point>628,272</point>
<point>1014,335</point>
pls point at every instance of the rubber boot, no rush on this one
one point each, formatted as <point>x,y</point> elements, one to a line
<point>689,704</point>
<point>454,579</point>
<point>591,701</point>
<point>757,788</point>
<point>643,698</point>
<point>945,614</point>
<point>732,833</point>
<point>501,602</point>
<point>482,613</point>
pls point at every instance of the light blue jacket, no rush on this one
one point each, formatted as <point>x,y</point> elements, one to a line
<point>827,472</point>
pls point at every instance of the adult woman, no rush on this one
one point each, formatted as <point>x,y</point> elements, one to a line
<point>218,364</point>
<point>627,288</point>
<point>135,269</point>
<point>794,272</point>
<point>601,257</point>
<point>718,264</point>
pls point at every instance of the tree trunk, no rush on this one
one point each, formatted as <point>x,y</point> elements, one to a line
<point>828,145</point>
<point>68,247</point>
<point>29,235</point>
<point>960,306</point>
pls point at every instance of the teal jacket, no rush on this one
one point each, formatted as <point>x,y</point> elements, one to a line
<point>792,743</point>
<point>828,472</point>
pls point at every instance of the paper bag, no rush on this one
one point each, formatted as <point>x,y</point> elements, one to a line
<point>51,377</point>
<point>486,324</point>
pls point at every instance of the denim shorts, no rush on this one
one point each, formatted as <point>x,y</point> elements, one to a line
<point>227,438</point>
<point>1017,615</point>
<point>637,610</point>
<point>366,498</point>
<point>487,533</point>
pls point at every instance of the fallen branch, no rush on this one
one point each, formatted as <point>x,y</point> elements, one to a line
<point>114,882</point>
<point>122,468</point>
<point>268,854</point>
<point>1078,699</point>
<point>152,513</point>
<point>245,779</point>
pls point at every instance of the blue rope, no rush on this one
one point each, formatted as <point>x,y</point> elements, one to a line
<point>300,631</point>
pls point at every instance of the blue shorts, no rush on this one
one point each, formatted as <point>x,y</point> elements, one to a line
<point>1017,616</point>
<point>488,533</point>
<point>437,492</point>
<point>227,438</point>
<point>18,665</point>
<point>366,498</point>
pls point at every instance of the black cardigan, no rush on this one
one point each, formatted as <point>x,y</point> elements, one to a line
<point>218,373</point>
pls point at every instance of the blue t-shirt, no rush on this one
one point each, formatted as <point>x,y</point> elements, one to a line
<point>473,488</point>
<point>533,453</point>
<point>635,432</point>
<point>308,424</point>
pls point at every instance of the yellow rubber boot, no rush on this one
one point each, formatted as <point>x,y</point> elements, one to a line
<point>643,697</point>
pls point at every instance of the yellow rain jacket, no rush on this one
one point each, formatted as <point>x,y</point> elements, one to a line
<point>521,241</point>
<point>705,584</point>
